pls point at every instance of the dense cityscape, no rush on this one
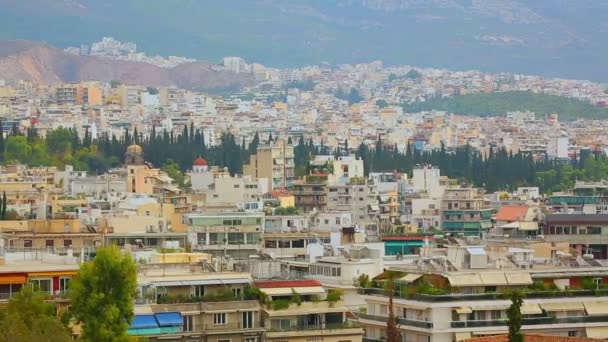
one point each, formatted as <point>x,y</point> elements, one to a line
<point>352,202</point>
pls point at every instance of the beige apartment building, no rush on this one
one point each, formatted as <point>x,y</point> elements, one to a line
<point>274,161</point>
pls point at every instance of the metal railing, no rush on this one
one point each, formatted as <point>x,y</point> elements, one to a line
<point>400,321</point>
<point>230,326</point>
<point>484,296</point>
<point>532,321</point>
<point>325,326</point>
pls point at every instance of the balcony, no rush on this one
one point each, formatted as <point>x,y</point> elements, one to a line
<point>532,321</point>
<point>327,329</point>
<point>483,296</point>
<point>400,320</point>
<point>230,326</point>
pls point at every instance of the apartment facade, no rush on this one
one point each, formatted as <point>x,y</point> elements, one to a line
<point>275,162</point>
<point>465,211</point>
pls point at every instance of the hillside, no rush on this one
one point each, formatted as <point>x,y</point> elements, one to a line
<point>44,64</point>
<point>498,104</point>
<point>548,37</point>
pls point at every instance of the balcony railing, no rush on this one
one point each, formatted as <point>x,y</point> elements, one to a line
<point>532,321</point>
<point>400,321</point>
<point>230,326</point>
<point>326,326</point>
<point>484,296</point>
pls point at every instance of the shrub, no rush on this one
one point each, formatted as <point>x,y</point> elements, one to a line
<point>280,304</point>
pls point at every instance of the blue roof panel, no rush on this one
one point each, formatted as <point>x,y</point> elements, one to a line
<point>167,319</point>
<point>143,322</point>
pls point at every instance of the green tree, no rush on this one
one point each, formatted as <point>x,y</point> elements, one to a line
<point>17,149</point>
<point>413,75</point>
<point>102,296</point>
<point>381,103</point>
<point>392,331</point>
<point>3,206</point>
<point>515,318</point>
<point>29,317</point>
<point>173,170</point>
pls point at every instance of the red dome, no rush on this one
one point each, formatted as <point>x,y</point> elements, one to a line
<point>199,162</point>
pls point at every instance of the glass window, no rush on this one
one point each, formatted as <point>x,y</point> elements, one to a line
<point>64,283</point>
<point>42,285</point>
<point>248,319</point>
<point>219,318</point>
<point>188,322</point>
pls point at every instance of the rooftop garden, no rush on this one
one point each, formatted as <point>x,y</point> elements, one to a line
<point>435,288</point>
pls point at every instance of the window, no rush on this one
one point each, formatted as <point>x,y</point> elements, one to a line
<point>50,243</point>
<point>236,186</point>
<point>64,283</point>
<point>67,243</point>
<point>27,244</point>
<point>337,220</point>
<point>188,322</point>
<point>572,333</point>
<point>248,319</point>
<point>251,339</point>
<point>236,291</point>
<point>224,340</point>
<point>219,318</point>
<point>42,285</point>
<point>198,290</point>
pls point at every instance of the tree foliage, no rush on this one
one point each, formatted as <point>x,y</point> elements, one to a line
<point>102,296</point>
<point>29,317</point>
<point>499,103</point>
<point>515,317</point>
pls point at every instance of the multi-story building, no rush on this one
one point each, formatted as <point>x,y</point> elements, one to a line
<point>465,211</point>
<point>274,161</point>
<point>587,234</point>
<point>205,305</point>
<point>308,313</point>
<point>467,294</point>
<point>236,234</point>
<point>311,193</point>
<point>66,94</point>
<point>360,197</point>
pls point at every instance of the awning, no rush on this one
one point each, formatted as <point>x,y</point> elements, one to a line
<point>143,322</point>
<point>596,308</point>
<point>519,278</point>
<point>597,332</point>
<point>463,310</point>
<point>52,274</point>
<point>530,309</point>
<point>460,280</point>
<point>489,279</point>
<point>14,279</point>
<point>528,226</point>
<point>410,278</point>
<point>287,291</point>
<point>169,319</point>
<point>202,282</point>
<point>481,307</point>
<point>563,306</point>
<point>461,336</point>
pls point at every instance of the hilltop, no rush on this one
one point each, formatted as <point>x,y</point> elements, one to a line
<point>45,64</point>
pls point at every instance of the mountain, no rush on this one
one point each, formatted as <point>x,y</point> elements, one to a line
<point>563,38</point>
<point>45,64</point>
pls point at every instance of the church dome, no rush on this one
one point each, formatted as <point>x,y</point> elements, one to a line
<point>199,162</point>
<point>134,155</point>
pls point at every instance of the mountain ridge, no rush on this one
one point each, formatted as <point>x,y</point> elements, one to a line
<point>47,65</point>
<point>555,38</point>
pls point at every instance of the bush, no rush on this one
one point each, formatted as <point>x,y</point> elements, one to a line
<point>280,304</point>
<point>295,297</point>
<point>334,295</point>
